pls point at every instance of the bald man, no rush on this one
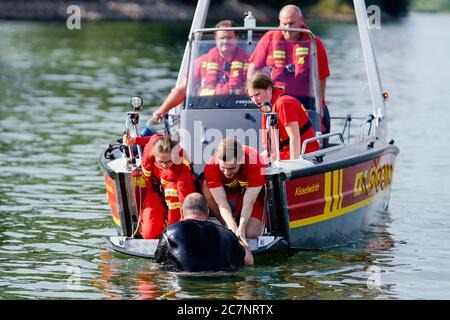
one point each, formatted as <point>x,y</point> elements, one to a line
<point>196,244</point>
<point>286,54</point>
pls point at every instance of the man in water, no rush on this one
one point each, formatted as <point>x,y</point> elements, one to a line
<point>196,244</point>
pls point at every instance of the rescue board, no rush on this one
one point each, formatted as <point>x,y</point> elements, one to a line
<point>145,248</point>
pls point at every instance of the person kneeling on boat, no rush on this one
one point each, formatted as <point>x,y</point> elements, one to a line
<point>293,121</point>
<point>196,244</point>
<point>221,71</point>
<point>233,187</point>
<point>168,179</point>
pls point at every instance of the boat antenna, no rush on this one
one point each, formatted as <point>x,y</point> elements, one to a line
<point>373,76</point>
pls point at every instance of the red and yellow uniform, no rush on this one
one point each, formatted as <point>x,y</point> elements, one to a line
<point>290,109</point>
<point>166,190</point>
<point>250,175</point>
<point>217,76</point>
<point>273,51</point>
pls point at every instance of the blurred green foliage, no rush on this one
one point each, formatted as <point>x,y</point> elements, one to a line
<point>432,5</point>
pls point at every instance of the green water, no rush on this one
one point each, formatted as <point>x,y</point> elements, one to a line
<point>63,97</point>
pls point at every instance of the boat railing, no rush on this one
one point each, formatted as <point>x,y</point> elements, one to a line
<point>321,138</point>
<point>368,121</point>
<point>348,121</point>
<point>263,29</point>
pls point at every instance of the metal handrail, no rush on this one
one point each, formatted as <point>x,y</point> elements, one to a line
<point>368,120</point>
<point>203,30</point>
<point>321,137</point>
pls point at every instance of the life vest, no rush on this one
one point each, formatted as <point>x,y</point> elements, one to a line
<point>220,77</point>
<point>305,126</point>
<point>276,59</point>
<point>164,181</point>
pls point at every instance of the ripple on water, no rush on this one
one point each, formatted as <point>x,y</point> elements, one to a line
<point>63,104</point>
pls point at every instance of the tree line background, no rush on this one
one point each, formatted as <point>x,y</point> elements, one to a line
<point>182,10</point>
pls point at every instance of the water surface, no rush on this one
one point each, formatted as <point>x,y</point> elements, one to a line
<point>63,98</point>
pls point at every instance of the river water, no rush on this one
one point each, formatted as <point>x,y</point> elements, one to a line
<point>64,95</point>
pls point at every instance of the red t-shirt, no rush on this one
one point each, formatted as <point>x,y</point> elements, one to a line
<point>249,175</point>
<point>291,85</point>
<point>288,110</point>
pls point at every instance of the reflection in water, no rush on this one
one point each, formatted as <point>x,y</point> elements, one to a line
<point>63,98</point>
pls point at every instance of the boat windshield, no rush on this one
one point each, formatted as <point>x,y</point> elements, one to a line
<point>219,62</point>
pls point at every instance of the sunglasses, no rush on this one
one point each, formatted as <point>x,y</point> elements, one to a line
<point>165,163</point>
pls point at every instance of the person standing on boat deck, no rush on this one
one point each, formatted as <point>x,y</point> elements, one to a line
<point>294,125</point>
<point>233,187</point>
<point>286,53</point>
<point>168,179</point>
<point>221,71</point>
<point>196,244</point>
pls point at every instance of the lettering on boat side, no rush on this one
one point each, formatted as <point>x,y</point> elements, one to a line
<point>377,179</point>
<point>300,191</point>
<point>232,309</point>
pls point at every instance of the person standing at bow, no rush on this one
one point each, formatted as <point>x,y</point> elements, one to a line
<point>168,179</point>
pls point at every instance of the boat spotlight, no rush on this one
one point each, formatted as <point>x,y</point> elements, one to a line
<point>137,103</point>
<point>265,107</point>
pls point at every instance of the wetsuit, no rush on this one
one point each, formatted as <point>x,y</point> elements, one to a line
<point>196,245</point>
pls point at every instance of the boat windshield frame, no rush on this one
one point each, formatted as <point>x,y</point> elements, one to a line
<point>197,34</point>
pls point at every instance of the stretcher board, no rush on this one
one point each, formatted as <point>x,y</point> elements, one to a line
<point>145,248</point>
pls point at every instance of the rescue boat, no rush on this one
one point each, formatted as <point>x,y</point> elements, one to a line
<point>325,198</point>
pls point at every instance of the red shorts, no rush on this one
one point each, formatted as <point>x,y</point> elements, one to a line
<point>235,199</point>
